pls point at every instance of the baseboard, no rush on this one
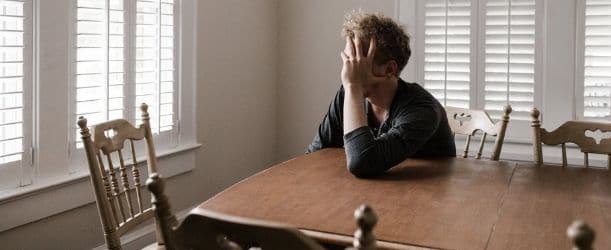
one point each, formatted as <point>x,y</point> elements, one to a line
<point>143,236</point>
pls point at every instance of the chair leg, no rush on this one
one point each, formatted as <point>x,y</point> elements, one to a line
<point>466,151</point>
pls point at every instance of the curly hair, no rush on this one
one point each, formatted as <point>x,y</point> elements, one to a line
<point>392,40</point>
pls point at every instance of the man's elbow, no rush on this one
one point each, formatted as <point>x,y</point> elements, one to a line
<point>363,167</point>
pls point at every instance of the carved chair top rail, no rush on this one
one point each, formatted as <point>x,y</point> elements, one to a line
<point>469,121</point>
<point>122,130</point>
<point>585,134</point>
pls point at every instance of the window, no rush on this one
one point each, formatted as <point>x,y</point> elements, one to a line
<point>15,86</point>
<point>509,73</point>
<point>94,58</point>
<point>62,59</point>
<point>155,64</point>
<point>113,65</point>
<point>100,61</point>
<point>596,67</point>
<point>485,60</point>
<point>447,46</point>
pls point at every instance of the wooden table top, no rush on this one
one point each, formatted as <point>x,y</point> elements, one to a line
<point>448,203</point>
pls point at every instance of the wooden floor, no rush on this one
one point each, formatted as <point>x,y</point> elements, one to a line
<point>449,203</point>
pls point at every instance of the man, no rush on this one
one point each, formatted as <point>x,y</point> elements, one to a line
<point>380,119</point>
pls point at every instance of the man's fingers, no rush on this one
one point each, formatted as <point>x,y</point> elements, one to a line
<point>349,47</point>
<point>372,48</point>
<point>358,46</point>
<point>344,56</point>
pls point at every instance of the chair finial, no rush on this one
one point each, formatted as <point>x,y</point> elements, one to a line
<point>145,114</point>
<point>535,114</point>
<point>366,219</point>
<point>507,109</point>
<point>155,185</point>
<point>581,235</point>
<point>82,122</point>
<point>144,107</point>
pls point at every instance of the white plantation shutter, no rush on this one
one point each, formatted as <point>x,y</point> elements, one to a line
<point>116,69</point>
<point>155,61</point>
<point>447,51</point>
<point>100,60</point>
<point>509,57</point>
<point>15,79</point>
<point>597,59</point>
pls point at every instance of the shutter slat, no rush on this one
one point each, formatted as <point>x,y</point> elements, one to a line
<point>447,51</point>
<point>12,66</point>
<point>509,56</point>
<point>155,78</point>
<point>597,60</point>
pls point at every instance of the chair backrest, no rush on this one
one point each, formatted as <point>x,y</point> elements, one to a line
<point>205,229</point>
<point>119,200</point>
<point>467,122</point>
<point>577,132</point>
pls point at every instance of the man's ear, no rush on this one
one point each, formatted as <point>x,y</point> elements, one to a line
<point>391,68</point>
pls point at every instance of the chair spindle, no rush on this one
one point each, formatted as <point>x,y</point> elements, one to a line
<point>581,235</point>
<point>586,160</point>
<point>500,137</point>
<point>136,175</point>
<point>481,146</point>
<point>150,146</point>
<point>536,125</point>
<point>564,160</point>
<point>115,187</point>
<point>108,189</point>
<point>125,181</point>
<point>466,151</point>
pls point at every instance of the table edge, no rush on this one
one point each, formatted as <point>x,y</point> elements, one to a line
<point>341,239</point>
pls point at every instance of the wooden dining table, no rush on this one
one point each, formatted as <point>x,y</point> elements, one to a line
<point>441,203</point>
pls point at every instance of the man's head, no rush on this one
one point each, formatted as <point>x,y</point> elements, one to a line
<point>392,41</point>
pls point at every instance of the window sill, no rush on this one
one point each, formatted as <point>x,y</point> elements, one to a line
<point>21,205</point>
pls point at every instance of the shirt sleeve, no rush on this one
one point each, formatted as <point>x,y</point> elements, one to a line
<point>330,131</point>
<point>369,156</point>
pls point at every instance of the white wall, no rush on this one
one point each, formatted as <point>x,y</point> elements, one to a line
<point>236,111</point>
<point>309,65</point>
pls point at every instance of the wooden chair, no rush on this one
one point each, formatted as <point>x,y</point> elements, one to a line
<point>468,122</point>
<point>119,201</point>
<point>204,229</point>
<point>581,235</point>
<point>571,132</point>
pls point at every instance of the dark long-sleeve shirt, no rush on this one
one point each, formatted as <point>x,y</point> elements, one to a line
<point>416,126</point>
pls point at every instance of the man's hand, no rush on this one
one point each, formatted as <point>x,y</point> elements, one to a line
<point>358,68</point>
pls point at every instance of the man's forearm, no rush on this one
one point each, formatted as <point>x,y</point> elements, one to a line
<point>354,113</point>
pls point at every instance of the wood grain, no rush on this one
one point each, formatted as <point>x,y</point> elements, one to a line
<point>542,202</point>
<point>443,203</point>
